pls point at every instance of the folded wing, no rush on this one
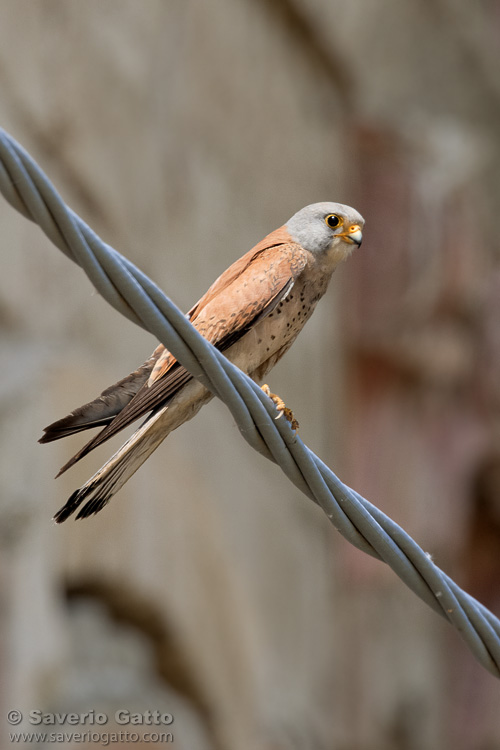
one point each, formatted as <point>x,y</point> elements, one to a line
<point>243,295</point>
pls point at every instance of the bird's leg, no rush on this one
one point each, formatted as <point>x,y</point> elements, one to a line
<point>280,406</point>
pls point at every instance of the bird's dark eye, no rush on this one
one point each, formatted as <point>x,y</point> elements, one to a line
<point>333,221</point>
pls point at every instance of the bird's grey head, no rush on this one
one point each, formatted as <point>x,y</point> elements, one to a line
<point>328,229</point>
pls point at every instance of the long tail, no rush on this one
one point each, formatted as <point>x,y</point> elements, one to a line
<point>106,482</point>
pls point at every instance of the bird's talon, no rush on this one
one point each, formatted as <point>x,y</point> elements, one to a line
<point>282,409</point>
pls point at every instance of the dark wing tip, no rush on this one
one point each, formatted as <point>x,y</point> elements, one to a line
<point>73,460</point>
<point>69,508</point>
<point>70,425</point>
<point>93,505</point>
<point>56,431</point>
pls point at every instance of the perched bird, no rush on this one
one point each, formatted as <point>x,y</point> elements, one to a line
<point>252,312</point>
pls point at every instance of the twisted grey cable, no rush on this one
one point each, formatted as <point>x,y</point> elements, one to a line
<point>134,295</point>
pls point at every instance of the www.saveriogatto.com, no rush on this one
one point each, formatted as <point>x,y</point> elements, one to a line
<point>130,727</point>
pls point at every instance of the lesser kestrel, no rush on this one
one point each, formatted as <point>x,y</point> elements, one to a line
<point>253,312</point>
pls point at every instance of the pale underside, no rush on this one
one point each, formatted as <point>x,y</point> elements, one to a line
<point>255,353</point>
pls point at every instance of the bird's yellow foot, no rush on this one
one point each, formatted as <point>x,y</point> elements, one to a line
<point>284,411</point>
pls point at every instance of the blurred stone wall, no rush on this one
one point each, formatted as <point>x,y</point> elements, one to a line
<point>210,588</point>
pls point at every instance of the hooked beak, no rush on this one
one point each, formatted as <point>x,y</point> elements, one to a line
<point>354,235</point>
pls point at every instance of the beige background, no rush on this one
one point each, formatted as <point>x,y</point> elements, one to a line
<point>210,588</point>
